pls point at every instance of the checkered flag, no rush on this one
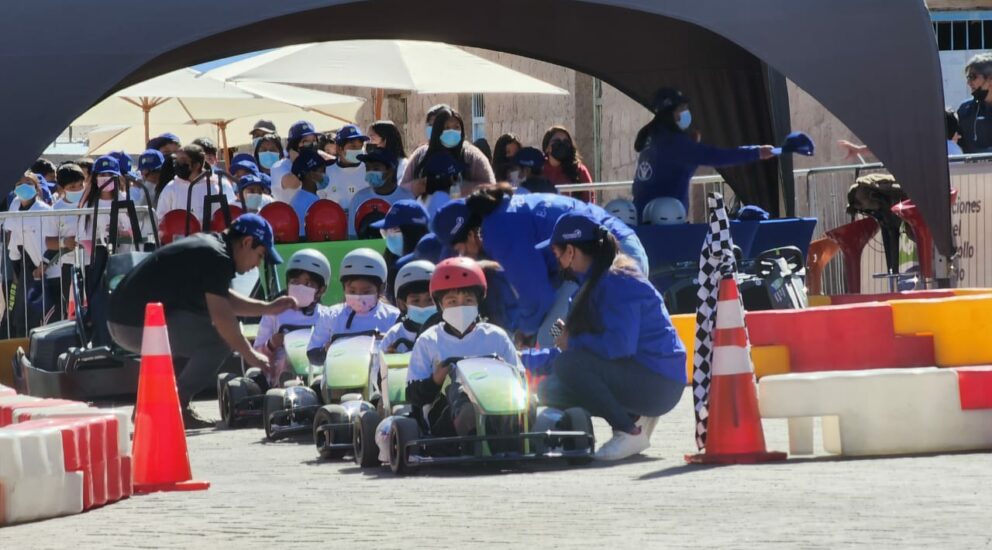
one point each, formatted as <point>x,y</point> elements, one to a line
<point>715,260</point>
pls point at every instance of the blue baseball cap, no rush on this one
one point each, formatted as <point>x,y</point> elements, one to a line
<point>169,137</point>
<point>308,161</point>
<point>257,227</point>
<point>245,164</point>
<point>384,156</point>
<point>450,222</point>
<point>442,164</point>
<point>349,132</point>
<point>428,248</point>
<point>266,180</point>
<point>123,161</point>
<point>107,164</point>
<point>573,227</point>
<point>242,156</point>
<point>249,180</point>
<point>301,129</point>
<point>796,142</point>
<point>529,157</point>
<point>151,160</point>
<point>403,212</point>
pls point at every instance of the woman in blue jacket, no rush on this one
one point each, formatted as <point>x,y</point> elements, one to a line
<point>669,155</point>
<point>620,359</point>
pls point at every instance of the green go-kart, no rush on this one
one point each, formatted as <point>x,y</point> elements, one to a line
<point>344,388</point>
<point>388,382</point>
<point>509,425</point>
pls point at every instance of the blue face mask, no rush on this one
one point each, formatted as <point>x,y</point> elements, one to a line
<point>351,156</point>
<point>451,138</point>
<point>394,242</point>
<point>253,201</point>
<point>375,179</point>
<point>420,315</point>
<point>268,158</point>
<point>685,119</point>
<point>430,131</point>
<point>324,182</point>
<point>25,192</point>
<point>73,197</point>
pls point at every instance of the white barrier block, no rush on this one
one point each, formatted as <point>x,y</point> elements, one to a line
<point>33,479</point>
<point>124,427</point>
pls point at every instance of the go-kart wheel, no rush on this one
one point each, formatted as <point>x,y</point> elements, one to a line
<point>366,449</point>
<point>579,420</point>
<point>330,414</point>
<point>256,375</point>
<point>548,419</point>
<point>222,380</point>
<point>403,431</point>
<point>231,393</point>
<point>274,400</point>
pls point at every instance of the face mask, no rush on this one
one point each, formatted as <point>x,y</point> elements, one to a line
<point>268,158</point>
<point>375,179</point>
<point>430,131</point>
<point>312,146</point>
<point>351,155</point>
<point>461,317</point>
<point>304,295</point>
<point>104,182</point>
<point>685,119</point>
<point>253,201</point>
<point>325,180</point>
<point>184,171</point>
<point>394,242</point>
<point>420,315</point>
<point>562,151</point>
<point>25,192</point>
<point>451,138</point>
<point>980,94</point>
<point>514,177</point>
<point>136,194</point>
<point>361,303</point>
<point>73,197</point>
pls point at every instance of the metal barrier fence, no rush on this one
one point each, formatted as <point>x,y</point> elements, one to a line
<point>38,247</point>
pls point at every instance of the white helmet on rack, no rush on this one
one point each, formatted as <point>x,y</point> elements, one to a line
<point>415,271</point>
<point>311,261</point>
<point>364,262</point>
<point>664,211</point>
<point>623,210</point>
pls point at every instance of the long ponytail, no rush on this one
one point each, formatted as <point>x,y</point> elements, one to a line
<point>604,251</point>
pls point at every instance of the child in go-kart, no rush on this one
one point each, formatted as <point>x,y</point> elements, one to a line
<point>457,286</point>
<point>414,300</point>
<point>307,273</point>
<point>363,277</point>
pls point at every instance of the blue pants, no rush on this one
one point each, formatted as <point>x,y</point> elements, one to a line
<point>615,390</point>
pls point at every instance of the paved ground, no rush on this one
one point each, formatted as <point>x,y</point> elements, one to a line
<point>278,494</point>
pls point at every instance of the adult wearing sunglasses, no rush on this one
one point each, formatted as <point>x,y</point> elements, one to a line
<point>975,115</point>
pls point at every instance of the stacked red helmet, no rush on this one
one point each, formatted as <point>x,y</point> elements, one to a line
<point>368,212</point>
<point>326,221</point>
<point>217,222</point>
<point>284,221</point>
<point>172,226</point>
<point>460,272</point>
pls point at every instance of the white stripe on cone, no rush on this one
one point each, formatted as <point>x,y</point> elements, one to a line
<point>729,314</point>
<point>155,342</point>
<point>729,360</point>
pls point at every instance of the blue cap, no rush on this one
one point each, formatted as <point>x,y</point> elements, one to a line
<point>403,212</point>
<point>450,222</point>
<point>242,156</point>
<point>169,137</point>
<point>573,227</point>
<point>123,161</point>
<point>796,142</point>
<point>151,160</point>
<point>384,156</point>
<point>529,157</point>
<point>107,164</point>
<point>258,227</point>
<point>266,180</point>
<point>248,181</point>
<point>349,132</point>
<point>301,129</point>
<point>245,164</point>
<point>441,164</point>
<point>752,213</point>
<point>308,161</point>
<point>428,248</point>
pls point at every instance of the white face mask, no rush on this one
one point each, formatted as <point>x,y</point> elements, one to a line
<point>514,177</point>
<point>304,295</point>
<point>351,155</point>
<point>253,201</point>
<point>460,317</point>
<point>104,182</point>
<point>361,303</point>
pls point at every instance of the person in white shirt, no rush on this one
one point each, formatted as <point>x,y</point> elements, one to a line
<point>285,184</point>
<point>60,232</point>
<point>380,174</point>
<point>150,167</point>
<point>253,194</point>
<point>105,187</point>
<point>346,177</point>
<point>385,135</point>
<point>25,246</point>
<point>190,171</point>
<point>267,153</point>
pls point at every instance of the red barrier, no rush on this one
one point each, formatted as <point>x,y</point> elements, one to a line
<point>844,299</point>
<point>7,409</point>
<point>975,387</point>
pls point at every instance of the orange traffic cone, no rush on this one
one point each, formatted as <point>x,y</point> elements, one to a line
<point>734,434</point>
<point>161,461</point>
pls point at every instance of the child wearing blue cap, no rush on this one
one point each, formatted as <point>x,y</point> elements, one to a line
<point>106,186</point>
<point>309,170</point>
<point>26,245</point>
<point>380,175</point>
<point>346,177</point>
<point>405,223</point>
<point>150,165</point>
<point>620,359</point>
<point>253,193</point>
<point>60,232</point>
<point>530,161</point>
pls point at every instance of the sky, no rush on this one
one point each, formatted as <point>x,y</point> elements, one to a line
<point>203,67</point>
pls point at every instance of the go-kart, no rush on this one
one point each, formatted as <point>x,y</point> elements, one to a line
<point>509,426</point>
<point>387,380</point>
<point>345,389</point>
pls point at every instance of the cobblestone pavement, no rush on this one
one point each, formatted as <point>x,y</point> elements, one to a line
<point>278,494</point>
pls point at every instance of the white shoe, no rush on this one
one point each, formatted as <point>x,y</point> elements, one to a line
<point>623,445</point>
<point>647,424</point>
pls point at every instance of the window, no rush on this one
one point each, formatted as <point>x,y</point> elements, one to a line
<point>478,117</point>
<point>957,31</point>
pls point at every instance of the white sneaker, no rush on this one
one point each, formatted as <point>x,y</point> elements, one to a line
<point>623,445</point>
<point>647,424</point>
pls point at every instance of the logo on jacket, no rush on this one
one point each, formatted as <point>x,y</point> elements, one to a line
<point>644,171</point>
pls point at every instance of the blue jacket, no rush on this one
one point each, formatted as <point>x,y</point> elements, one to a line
<point>633,322</point>
<point>509,235</point>
<point>669,160</point>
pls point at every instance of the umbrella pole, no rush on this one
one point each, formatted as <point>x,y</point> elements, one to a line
<point>377,98</point>
<point>223,141</point>
<point>146,108</point>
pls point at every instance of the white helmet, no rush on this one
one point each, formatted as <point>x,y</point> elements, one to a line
<point>364,262</point>
<point>623,210</point>
<point>418,270</point>
<point>664,211</point>
<point>311,261</point>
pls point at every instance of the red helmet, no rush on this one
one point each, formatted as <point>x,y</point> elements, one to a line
<point>458,272</point>
<point>368,212</point>
<point>217,220</point>
<point>326,221</point>
<point>173,225</point>
<point>284,221</point>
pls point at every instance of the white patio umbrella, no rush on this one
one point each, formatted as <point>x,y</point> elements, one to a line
<point>423,67</point>
<point>180,98</point>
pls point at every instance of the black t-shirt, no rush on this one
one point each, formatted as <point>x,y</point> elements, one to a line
<point>177,275</point>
